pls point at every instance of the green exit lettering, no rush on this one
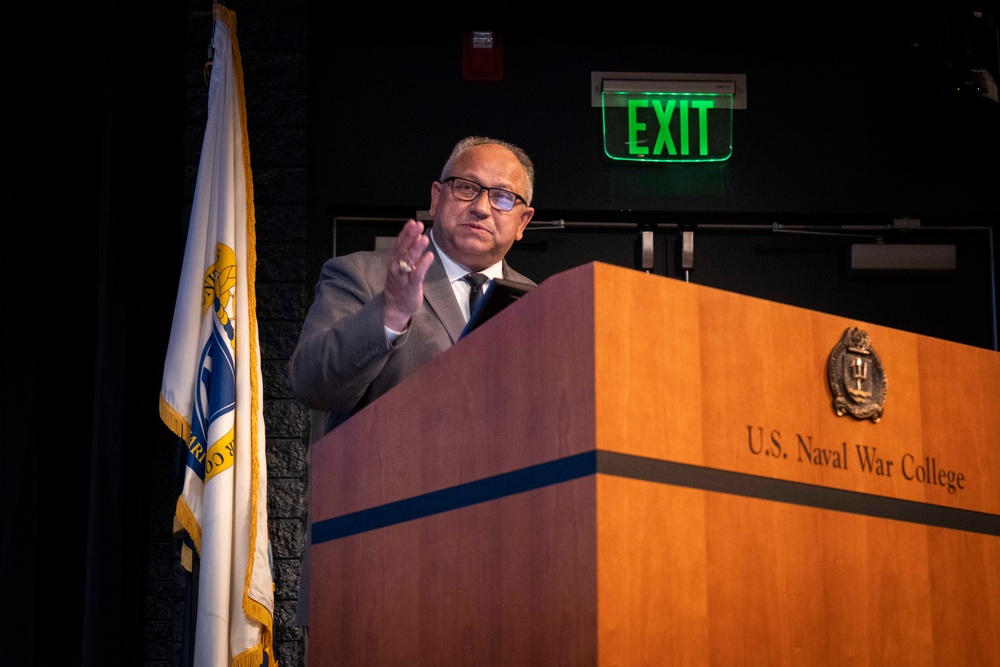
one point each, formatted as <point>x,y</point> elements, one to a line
<point>667,126</point>
<point>689,113</point>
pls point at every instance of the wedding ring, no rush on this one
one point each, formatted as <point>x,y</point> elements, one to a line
<point>404,266</point>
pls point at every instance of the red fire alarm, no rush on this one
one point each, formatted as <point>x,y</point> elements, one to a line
<point>482,56</point>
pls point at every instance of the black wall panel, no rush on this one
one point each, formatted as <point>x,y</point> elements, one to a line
<point>847,125</point>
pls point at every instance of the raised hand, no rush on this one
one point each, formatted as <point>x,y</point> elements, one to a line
<point>404,280</point>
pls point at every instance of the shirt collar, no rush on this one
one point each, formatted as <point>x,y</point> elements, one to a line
<point>456,271</point>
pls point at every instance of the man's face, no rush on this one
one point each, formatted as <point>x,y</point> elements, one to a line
<point>473,233</point>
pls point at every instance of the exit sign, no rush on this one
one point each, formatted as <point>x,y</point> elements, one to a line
<point>660,126</point>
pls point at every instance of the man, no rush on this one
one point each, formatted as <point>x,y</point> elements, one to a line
<point>379,315</point>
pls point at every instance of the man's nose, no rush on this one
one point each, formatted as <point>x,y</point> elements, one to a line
<point>482,204</point>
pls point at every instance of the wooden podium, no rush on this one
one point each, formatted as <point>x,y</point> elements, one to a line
<point>653,473</point>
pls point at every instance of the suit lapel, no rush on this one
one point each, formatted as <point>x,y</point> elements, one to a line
<point>441,298</point>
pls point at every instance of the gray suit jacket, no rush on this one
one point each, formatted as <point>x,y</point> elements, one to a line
<point>343,361</point>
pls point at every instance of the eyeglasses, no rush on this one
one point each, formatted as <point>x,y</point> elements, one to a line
<point>466,190</point>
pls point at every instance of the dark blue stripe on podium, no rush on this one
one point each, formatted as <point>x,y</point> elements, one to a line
<point>661,472</point>
<point>796,493</point>
<point>463,495</point>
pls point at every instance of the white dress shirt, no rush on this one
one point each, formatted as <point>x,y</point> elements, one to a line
<point>456,273</point>
<point>462,288</point>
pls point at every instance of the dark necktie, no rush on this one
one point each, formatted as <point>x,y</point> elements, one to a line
<point>476,282</point>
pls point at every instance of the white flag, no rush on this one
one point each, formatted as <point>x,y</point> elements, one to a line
<point>212,391</point>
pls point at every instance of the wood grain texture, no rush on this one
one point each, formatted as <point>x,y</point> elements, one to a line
<point>614,570</point>
<point>697,375</point>
<point>690,577</point>
<point>511,582</point>
<point>444,425</point>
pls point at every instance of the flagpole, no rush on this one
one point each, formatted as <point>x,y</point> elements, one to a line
<point>190,615</point>
<point>191,580</point>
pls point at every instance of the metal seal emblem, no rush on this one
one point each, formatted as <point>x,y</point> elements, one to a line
<point>856,377</point>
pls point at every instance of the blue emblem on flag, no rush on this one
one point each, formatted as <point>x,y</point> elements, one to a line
<point>211,447</point>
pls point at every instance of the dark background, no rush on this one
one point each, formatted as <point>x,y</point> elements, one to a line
<point>849,136</point>
<point>351,114</point>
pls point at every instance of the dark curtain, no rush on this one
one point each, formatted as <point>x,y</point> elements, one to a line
<point>94,235</point>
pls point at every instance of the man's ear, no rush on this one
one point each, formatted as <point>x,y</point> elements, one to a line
<point>435,196</point>
<point>525,219</point>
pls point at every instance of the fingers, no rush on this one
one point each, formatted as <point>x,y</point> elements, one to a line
<point>407,266</point>
<point>410,248</point>
<point>423,264</point>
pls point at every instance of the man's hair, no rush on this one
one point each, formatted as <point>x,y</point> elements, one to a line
<point>522,157</point>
